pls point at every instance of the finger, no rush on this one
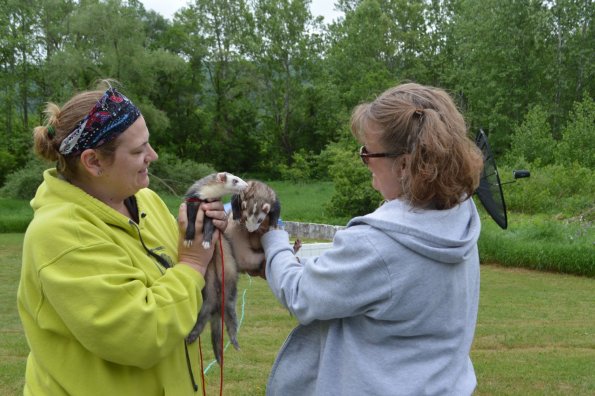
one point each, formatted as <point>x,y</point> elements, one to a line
<point>220,224</point>
<point>216,214</point>
<point>182,216</point>
<point>214,205</point>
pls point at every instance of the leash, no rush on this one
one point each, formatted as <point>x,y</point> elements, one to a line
<point>222,314</point>
<point>202,371</point>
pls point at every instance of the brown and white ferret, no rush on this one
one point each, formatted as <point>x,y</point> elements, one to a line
<point>254,211</point>
<point>209,188</point>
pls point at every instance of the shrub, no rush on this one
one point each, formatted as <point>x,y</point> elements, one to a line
<point>8,162</point>
<point>23,183</point>
<point>300,169</point>
<point>578,137</point>
<point>533,139</point>
<point>173,175</point>
<point>353,194</point>
<point>554,189</point>
<point>307,166</point>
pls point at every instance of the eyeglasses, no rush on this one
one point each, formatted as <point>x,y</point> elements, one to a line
<point>364,155</point>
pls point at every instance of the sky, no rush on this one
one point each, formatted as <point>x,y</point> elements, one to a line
<point>167,8</point>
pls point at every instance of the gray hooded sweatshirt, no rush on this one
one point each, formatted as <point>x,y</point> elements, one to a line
<point>390,309</point>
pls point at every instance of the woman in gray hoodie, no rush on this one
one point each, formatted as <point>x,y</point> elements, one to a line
<point>391,308</point>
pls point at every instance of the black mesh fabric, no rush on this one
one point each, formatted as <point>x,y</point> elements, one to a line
<point>489,191</point>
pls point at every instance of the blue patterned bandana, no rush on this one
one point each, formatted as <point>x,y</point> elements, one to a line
<point>111,115</point>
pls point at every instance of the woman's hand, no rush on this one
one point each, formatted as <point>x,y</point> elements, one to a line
<point>195,255</point>
<point>215,211</point>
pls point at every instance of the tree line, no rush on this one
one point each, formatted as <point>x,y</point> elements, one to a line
<point>259,85</point>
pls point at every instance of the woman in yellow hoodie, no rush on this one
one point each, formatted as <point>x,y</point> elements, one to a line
<point>108,292</point>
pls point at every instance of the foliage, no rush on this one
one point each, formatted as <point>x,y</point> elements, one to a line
<point>533,139</point>
<point>8,162</point>
<point>173,175</point>
<point>564,191</point>
<point>247,84</point>
<point>307,166</point>
<point>578,137</point>
<point>353,195</point>
<point>23,183</point>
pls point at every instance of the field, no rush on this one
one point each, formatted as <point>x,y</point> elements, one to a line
<point>535,333</point>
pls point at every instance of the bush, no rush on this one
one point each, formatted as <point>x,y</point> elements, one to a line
<point>533,139</point>
<point>8,163</point>
<point>307,166</point>
<point>173,175</point>
<point>300,169</point>
<point>23,183</point>
<point>354,194</point>
<point>578,137</point>
<point>565,191</point>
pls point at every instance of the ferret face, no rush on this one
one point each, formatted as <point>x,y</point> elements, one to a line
<point>233,183</point>
<point>253,215</point>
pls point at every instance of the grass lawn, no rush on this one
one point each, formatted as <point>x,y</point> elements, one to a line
<point>535,333</point>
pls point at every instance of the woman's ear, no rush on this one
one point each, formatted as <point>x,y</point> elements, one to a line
<point>403,161</point>
<point>91,162</point>
<point>399,165</point>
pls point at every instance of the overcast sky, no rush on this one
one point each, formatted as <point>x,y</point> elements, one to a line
<point>167,8</point>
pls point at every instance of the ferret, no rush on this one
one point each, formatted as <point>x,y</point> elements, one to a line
<point>209,188</point>
<point>254,211</point>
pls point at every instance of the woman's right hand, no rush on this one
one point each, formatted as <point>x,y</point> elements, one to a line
<point>195,255</point>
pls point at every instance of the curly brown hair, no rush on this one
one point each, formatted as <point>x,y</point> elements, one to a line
<point>444,164</point>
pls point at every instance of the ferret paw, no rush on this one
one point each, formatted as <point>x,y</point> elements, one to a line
<point>187,242</point>
<point>206,244</point>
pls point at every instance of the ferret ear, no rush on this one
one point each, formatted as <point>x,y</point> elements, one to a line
<point>222,177</point>
<point>275,213</point>
<point>236,206</point>
<point>266,208</point>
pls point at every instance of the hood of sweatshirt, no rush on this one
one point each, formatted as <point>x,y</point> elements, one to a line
<point>447,236</point>
<point>54,192</point>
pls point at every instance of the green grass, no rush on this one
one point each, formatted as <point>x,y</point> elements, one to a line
<point>15,215</point>
<point>13,347</point>
<point>535,333</point>
<point>540,242</point>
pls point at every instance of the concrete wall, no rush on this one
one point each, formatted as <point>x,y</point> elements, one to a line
<point>311,230</point>
<point>313,249</point>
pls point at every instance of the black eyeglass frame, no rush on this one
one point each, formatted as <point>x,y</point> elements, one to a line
<point>364,155</point>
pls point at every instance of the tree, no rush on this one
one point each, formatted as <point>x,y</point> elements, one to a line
<point>533,140</point>
<point>578,137</point>
<point>573,53</point>
<point>284,53</point>
<point>500,66</point>
<point>221,31</point>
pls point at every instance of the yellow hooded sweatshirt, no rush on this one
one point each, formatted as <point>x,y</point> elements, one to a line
<point>101,315</point>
